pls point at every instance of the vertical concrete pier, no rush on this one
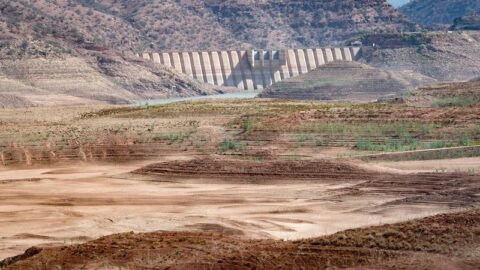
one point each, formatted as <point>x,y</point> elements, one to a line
<point>252,69</point>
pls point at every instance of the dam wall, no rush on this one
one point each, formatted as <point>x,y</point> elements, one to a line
<point>252,69</point>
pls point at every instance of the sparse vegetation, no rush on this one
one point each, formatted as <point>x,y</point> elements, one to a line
<point>459,101</point>
<point>229,145</point>
<point>172,137</point>
<point>247,125</point>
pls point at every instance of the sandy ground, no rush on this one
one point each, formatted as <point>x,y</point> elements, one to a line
<point>76,203</point>
<point>468,165</point>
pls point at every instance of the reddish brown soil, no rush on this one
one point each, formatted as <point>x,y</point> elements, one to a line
<point>453,189</point>
<point>439,242</point>
<point>258,171</point>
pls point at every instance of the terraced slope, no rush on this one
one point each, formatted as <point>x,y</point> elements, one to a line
<point>346,81</point>
<point>64,53</point>
<point>444,56</point>
<point>90,80</point>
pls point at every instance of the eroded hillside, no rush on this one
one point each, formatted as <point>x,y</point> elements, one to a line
<point>346,81</point>
<point>445,56</point>
<point>63,53</point>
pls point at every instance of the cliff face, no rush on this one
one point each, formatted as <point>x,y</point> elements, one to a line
<point>431,12</point>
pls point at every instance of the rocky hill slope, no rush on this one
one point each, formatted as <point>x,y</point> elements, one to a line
<point>469,22</point>
<point>199,24</point>
<point>440,55</point>
<point>52,52</point>
<point>431,12</point>
<point>346,81</point>
<point>77,51</point>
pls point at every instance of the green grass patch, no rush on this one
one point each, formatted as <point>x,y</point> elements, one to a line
<point>400,145</point>
<point>386,129</point>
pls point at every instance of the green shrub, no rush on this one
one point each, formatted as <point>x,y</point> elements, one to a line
<point>247,125</point>
<point>364,145</point>
<point>437,144</point>
<point>465,140</point>
<point>227,145</point>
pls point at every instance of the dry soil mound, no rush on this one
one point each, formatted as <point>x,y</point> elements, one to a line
<point>257,171</point>
<point>346,81</point>
<point>427,243</point>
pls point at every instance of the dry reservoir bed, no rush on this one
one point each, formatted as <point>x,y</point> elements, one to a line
<point>75,203</point>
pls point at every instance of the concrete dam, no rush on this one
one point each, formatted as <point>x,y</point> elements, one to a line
<point>250,69</point>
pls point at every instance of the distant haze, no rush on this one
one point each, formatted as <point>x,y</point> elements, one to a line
<point>398,3</point>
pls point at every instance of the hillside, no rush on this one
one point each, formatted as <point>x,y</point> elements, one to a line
<point>90,80</point>
<point>431,12</point>
<point>346,81</point>
<point>440,55</point>
<point>53,53</point>
<point>198,24</point>
<point>469,22</point>
<point>80,51</point>
<point>459,94</point>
